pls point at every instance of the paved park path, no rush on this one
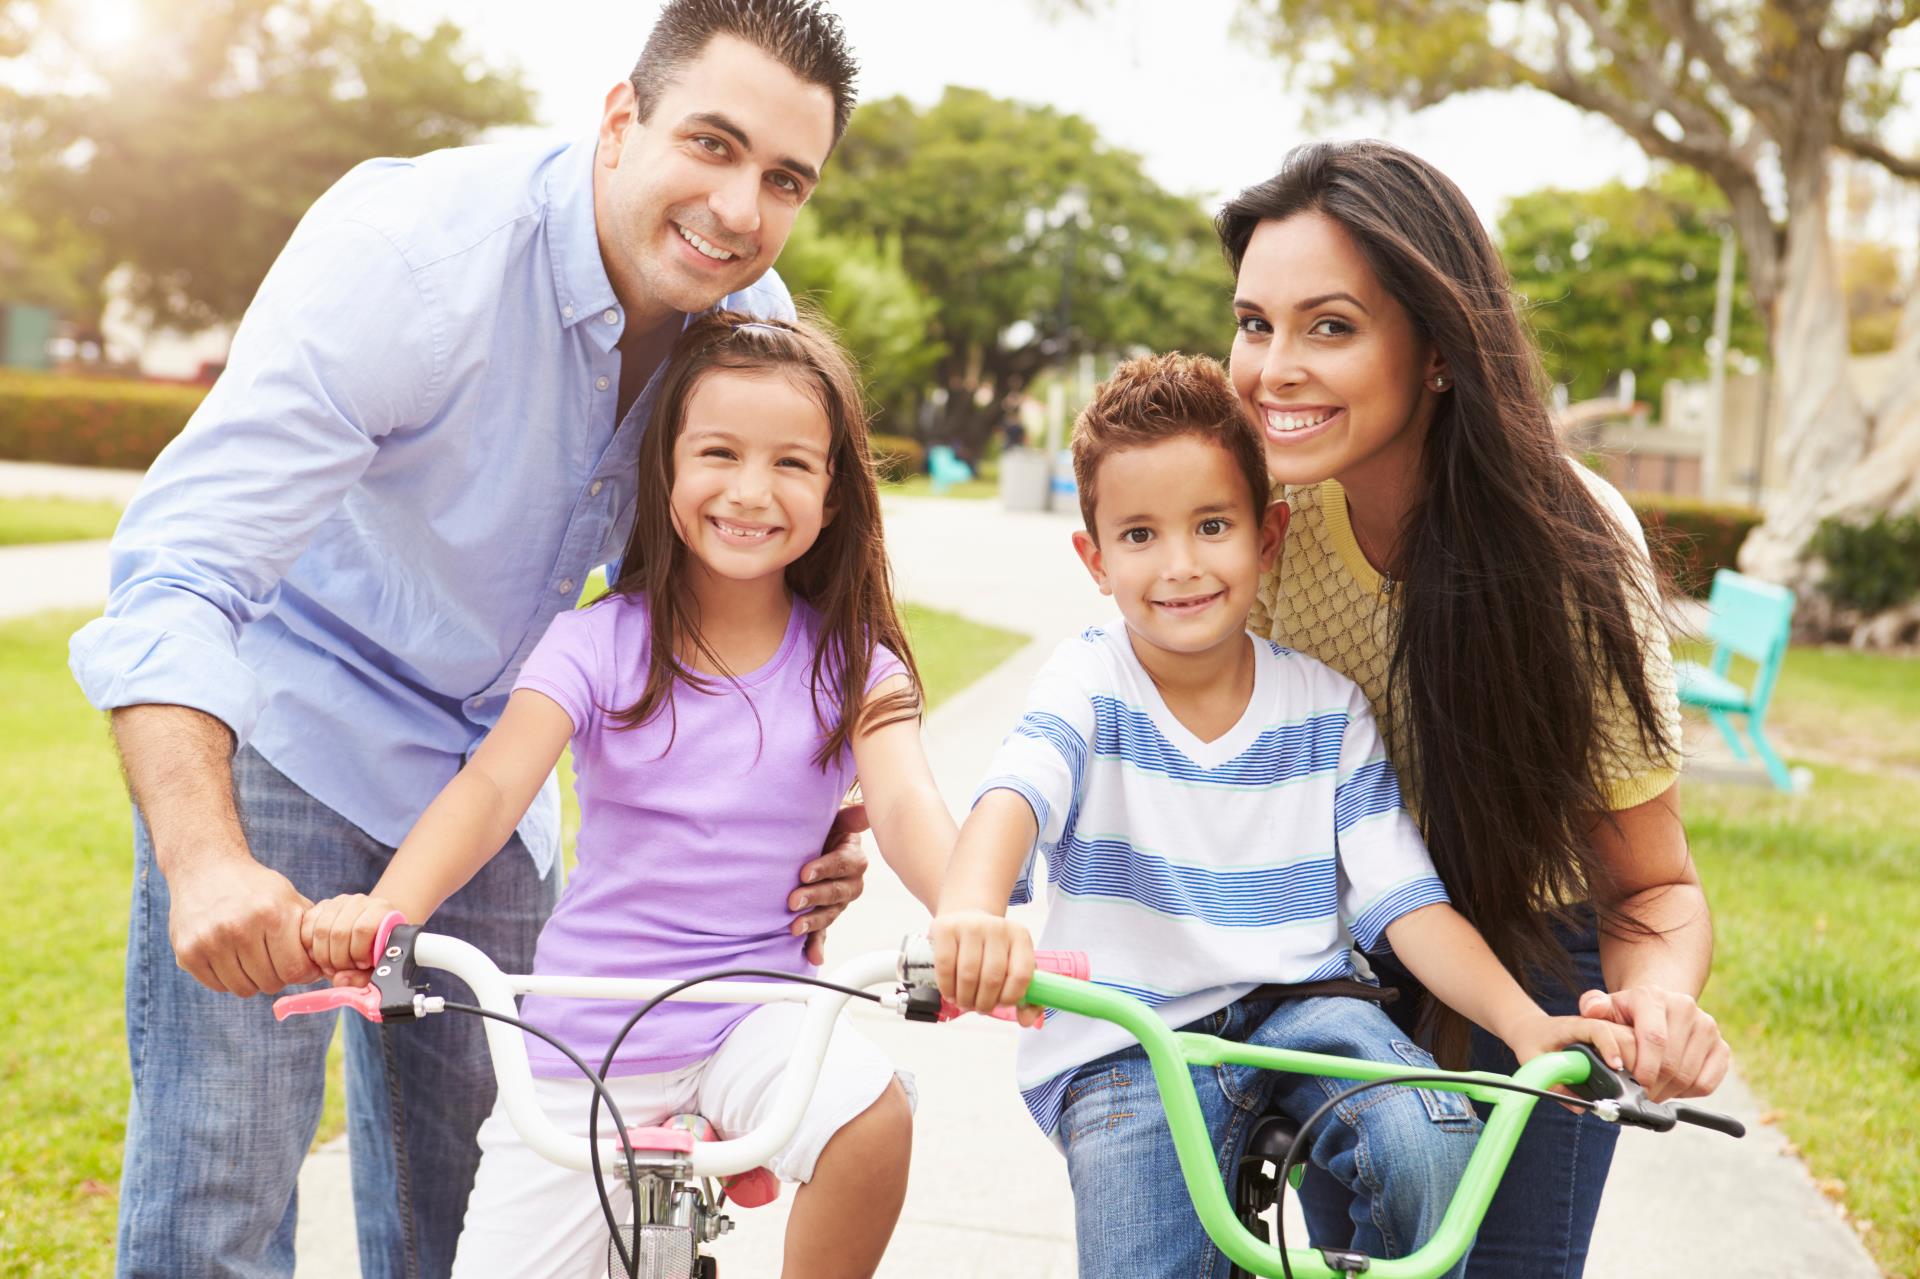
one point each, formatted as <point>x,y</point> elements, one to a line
<point>989,1195</point>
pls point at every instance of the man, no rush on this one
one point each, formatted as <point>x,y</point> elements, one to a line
<point>421,445</point>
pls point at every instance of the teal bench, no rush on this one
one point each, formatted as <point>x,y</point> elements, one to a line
<point>946,468</point>
<point>1750,619</point>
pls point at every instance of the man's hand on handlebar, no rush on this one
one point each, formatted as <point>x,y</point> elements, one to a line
<point>339,934</point>
<point>984,961</point>
<point>830,881</point>
<point>235,926</point>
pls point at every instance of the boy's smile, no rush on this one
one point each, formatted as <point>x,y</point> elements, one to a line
<point>1180,548</point>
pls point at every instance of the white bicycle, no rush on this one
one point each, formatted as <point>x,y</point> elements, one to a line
<point>681,1174</point>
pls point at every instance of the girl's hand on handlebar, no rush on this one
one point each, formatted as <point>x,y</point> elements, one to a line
<point>1679,1048</point>
<point>983,961</point>
<point>339,934</point>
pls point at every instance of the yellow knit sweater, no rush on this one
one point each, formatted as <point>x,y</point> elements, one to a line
<point>1325,600</point>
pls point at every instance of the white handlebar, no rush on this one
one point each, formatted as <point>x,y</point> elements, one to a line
<point>494,991</point>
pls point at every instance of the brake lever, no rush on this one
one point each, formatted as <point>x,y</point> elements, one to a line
<point>1618,1098</point>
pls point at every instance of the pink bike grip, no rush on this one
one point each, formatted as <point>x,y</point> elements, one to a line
<point>393,920</point>
<point>1064,963</point>
<point>364,1000</point>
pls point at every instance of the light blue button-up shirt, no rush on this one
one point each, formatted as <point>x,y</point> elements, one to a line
<point>408,468</point>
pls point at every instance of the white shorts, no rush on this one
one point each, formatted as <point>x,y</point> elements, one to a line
<point>531,1219</point>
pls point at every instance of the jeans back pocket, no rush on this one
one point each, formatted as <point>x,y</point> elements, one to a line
<point>1442,1107</point>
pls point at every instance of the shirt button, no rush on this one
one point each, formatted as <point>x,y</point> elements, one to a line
<point>477,703</point>
<point>595,490</point>
<point>601,384</point>
<point>566,587</point>
<point>567,312</point>
<point>611,316</point>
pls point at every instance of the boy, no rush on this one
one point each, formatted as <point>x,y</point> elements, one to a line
<point>1219,817</point>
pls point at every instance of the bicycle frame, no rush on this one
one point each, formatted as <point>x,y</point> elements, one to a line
<point>1172,1052</point>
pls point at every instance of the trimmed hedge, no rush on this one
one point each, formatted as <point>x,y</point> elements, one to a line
<point>1871,566</point>
<point>895,457</point>
<point>90,421</point>
<point>1690,538</point>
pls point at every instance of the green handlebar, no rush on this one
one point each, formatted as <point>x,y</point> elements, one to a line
<point>1171,1053</point>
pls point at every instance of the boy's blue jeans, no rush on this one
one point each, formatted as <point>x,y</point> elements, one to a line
<point>1541,1219</point>
<point>1401,1150</point>
<point>226,1100</point>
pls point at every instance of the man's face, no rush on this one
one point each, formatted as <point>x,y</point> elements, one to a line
<point>696,202</point>
<point>1181,547</point>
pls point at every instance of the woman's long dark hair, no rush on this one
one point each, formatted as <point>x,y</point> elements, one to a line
<point>1518,592</point>
<point>844,575</point>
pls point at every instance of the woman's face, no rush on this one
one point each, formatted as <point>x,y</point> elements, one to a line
<point>1326,360</point>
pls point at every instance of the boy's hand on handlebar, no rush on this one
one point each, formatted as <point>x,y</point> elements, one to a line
<point>1679,1050</point>
<point>339,934</point>
<point>1545,1034</point>
<point>984,961</point>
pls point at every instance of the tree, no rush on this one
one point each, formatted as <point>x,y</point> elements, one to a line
<point>1741,90</point>
<point>1624,278</point>
<point>189,156</point>
<point>864,291</point>
<point>1033,241</point>
<point>1870,276</point>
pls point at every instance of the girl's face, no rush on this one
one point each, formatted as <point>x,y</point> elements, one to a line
<point>1325,359</point>
<point>750,477</point>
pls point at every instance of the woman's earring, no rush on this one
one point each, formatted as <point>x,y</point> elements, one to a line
<point>1439,382</point>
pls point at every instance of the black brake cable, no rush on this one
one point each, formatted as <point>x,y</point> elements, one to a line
<point>600,1092</point>
<point>1297,1149</point>
<point>606,1062</point>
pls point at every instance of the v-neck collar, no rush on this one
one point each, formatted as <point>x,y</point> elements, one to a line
<point>1223,749</point>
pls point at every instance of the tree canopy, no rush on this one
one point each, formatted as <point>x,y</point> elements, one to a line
<point>863,290</point>
<point>189,149</point>
<point>1033,240</point>
<point>1621,277</point>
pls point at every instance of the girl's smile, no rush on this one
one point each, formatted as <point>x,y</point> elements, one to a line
<point>750,478</point>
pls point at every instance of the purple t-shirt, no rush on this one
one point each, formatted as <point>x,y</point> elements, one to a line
<point>686,854</point>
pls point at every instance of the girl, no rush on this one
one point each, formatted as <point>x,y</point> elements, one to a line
<point>744,669</point>
<point>1494,600</point>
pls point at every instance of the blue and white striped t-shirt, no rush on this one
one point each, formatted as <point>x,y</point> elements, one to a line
<point>1190,871</point>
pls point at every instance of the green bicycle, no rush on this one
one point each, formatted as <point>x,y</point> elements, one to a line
<point>1608,1095</point>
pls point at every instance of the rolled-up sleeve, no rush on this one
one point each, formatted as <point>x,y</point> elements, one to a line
<point>340,347</point>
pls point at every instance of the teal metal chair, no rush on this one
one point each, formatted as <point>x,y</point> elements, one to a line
<point>946,468</point>
<point>1751,619</point>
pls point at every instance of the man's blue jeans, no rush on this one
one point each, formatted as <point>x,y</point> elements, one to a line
<point>1541,1218</point>
<point>226,1101</point>
<point>1401,1150</point>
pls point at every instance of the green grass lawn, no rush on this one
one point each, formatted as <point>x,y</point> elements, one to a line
<point>66,846</point>
<point>55,519</point>
<point>1815,900</point>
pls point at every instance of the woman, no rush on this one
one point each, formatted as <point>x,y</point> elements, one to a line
<point>1494,600</point>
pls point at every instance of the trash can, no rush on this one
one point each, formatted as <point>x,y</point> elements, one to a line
<point>1065,494</point>
<point>1024,479</point>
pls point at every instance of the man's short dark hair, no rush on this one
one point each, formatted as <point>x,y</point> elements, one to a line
<point>801,35</point>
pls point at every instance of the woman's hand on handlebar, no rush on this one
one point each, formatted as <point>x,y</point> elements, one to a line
<point>984,961</point>
<point>1680,1049</point>
<point>339,934</point>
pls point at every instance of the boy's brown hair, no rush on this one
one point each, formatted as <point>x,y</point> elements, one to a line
<point>1162,397</point>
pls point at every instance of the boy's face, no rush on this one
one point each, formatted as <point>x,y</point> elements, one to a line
<point>1180,548</point>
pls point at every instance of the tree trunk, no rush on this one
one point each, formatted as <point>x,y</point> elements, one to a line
<point>1820,429</point>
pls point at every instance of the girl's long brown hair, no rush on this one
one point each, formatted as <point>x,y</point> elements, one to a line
<point>844,575</point>
<point>1517,591</point>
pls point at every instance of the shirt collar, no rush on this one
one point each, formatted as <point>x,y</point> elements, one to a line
<point>582,292</point>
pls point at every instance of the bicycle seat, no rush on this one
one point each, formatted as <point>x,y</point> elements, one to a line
<point>1272,1135</point>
